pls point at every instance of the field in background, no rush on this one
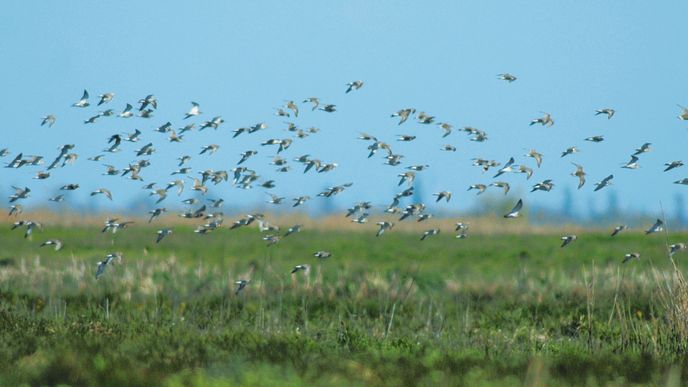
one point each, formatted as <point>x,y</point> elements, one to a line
<point>502,307</point>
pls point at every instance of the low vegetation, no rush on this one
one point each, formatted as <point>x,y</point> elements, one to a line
<point>485,310</point>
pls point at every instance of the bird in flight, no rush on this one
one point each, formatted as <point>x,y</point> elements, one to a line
<point>619,229</point>
<point>657,227</point>
<point>83,102</point>
<point>194,111</point>
<point>507,77</point>
<point>567,239</point>
<point>545,120</point>
<point>355,85</point>
<point>515,211</point>
<point>609,112</point>
<point>580,174</point>
<point>630,256</point>
<point>604,182</point>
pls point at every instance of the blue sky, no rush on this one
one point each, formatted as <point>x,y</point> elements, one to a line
<point>242,60</point>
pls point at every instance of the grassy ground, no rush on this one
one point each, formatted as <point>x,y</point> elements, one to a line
<point>486,310</point>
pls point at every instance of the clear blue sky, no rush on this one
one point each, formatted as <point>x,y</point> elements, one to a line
<point>242,60</point>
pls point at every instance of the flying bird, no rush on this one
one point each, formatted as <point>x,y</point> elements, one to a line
<point>515,211</point>
<point>429,233</point>
<point>161,234</point>
<point>83,102</point>
<point>569,151</point>
<point>604,182</point>
<point>56,243</point>
<point>355,85</point>
<point>567,239</point>
<point>580,174</point>
<point>643,149</point>
<point>673,164</point>
<point>545,120</point>
<point>684,113</point>
<point>619,229</point>
<point>241,284</point>
<point>676,247</point>
<point>537,156</point>
<point>608,111</point>
<point>657,227</point>
<point>322,254</point>
<point>305,268</point>
<point>630,256</point>
<point>194,111</point>
<point>109,259</point>
<point>506,77</point>
<point>49,120</point>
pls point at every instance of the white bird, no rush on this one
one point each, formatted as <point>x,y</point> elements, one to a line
<point>127,112</point>
<point>53,242</point>
<point>632,163</point>
<point>108,260</point>
<point>514,211</point>
<point>506,168</point>
<point>194,111</point>
<point>83,102</point>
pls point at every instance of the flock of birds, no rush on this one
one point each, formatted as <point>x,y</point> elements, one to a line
<point>208,209</point>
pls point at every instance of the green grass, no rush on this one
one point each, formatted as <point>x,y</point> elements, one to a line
<point>487,310</point>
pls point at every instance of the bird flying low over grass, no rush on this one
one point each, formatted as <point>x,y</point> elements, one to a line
<point>515,211</point>
<point>241,284</point>
<point>429,233</point>
<point>619,229</point>
<point>657,227</point>
<point>630,256</point>
<point>303,267</point>
<point>109,259</point>
<point>567,239</point>
<point>56,243</point>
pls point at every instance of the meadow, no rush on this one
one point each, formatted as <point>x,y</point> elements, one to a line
<point>492,309</point>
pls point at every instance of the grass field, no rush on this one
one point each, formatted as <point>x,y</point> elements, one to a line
<point>506,309</point>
